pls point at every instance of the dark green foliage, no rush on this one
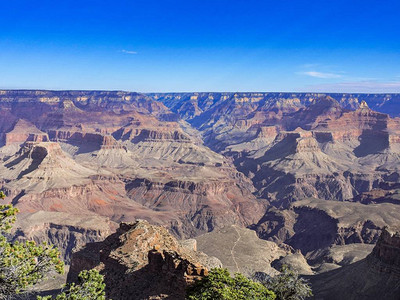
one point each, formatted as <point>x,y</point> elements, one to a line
<point>90,287</point>
<point>22,264</point>
<point>7,215</point>
<point>287,285</point>
<point>219,285</point>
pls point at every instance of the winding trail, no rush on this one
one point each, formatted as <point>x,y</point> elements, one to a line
<point>233,249</point>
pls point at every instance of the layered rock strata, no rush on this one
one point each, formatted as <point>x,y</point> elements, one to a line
<point>120,155</point>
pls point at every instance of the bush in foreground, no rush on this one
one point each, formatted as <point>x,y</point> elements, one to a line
<point>219,285</point>
<point>22,264</point>
<point>288,285</point>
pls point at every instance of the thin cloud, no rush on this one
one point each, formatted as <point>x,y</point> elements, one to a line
<point>358,87</point>
<point>128,51</point>
<point>320,74</point>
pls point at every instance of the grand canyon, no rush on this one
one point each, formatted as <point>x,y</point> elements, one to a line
<point>247,181</point>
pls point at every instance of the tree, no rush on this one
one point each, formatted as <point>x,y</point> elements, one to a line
<point>22,264</point>
<point>7,215</point>
<point>287,285</point>
<point>219,285</point>
<point>90,287</point>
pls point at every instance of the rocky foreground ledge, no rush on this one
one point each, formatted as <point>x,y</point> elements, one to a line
<point>143,261</point>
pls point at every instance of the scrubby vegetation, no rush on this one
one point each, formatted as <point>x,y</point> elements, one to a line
<point>219,285</point>
<point>288,285</point>
<point>22,264</point>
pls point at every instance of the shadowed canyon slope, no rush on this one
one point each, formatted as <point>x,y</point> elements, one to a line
<point>375,277</point>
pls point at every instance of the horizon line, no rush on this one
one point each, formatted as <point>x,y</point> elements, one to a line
<point>199,92</point>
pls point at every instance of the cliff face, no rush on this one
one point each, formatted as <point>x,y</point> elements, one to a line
<point>142,261</point>
<point>375,277</point>
<point>387,251</point>
<point>295,146</point>
<point>66,231</point>
<point>313,224</point>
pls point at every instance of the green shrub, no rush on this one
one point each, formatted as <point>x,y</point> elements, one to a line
<point>219,285</point>
<point>22,264</point>
<point>287,285</point>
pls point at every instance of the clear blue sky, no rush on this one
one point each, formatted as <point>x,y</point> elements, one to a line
<point>201,45</point>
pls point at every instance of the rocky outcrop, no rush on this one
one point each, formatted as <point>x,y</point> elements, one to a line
<point>295,261</point>
<point>141,261</point>
<point>375,277</point>
<point>387,251</point>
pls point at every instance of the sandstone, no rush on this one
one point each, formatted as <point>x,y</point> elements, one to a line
<point>141,261</point>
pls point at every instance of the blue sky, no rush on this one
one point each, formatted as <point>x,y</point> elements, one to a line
<point>207,45</point>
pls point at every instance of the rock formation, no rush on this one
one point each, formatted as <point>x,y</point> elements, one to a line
<point>142,261</point>
<point>66,231</point>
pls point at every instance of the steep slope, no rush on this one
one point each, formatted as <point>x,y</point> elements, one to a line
<point>240,250</point>
<point>66,231</point>
<point>312,225</point>
<point>375,277</point>
<point>40,166</point>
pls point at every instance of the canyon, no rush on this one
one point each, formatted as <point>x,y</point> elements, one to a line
<point>308,180</point>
